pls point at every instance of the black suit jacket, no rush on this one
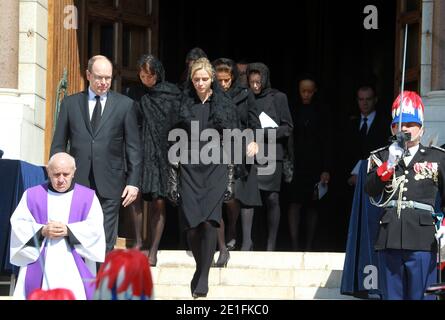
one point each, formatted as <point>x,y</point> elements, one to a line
<point>113,152</point>
<point>359,149</point>
<point>414,229</point>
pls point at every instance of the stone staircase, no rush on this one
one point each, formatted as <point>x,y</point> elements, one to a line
<point>249,275</point>
<point>254,275</point>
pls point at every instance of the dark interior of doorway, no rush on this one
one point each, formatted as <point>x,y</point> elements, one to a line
<point>326,38</point>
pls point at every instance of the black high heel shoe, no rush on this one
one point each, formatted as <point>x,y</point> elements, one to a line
<point>231,245</point>
<point>223,259</point>
<point>193,284</point>
<point>197,295</point>
<point>153,261</point>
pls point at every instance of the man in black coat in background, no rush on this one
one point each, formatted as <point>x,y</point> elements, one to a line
<point>357,141</point>
<point>102,131</point>
<point>367,132</point>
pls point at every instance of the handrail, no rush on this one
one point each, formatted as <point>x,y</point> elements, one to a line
<point>61,89</point>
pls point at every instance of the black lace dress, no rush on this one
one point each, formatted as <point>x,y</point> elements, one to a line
<point>156,106</point>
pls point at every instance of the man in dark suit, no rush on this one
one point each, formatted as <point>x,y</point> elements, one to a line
<point>367,132</point>
<point>102,131</point>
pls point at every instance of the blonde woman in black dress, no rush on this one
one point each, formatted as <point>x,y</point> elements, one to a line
<point>203,186</point>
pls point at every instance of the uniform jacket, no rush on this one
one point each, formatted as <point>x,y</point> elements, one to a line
<point>414,229</point>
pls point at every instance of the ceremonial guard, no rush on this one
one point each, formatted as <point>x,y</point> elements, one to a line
<point>405,179</point>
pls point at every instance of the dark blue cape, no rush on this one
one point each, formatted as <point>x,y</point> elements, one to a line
<point>362,232</point>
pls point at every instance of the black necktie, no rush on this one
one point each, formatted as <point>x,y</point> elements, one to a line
<point>97,114</point>
<point>364,128</point>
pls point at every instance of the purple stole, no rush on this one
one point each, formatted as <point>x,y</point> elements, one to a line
<point>80,207</point>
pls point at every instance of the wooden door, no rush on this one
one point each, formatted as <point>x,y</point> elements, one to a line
<point>63,55</point>
<point>122,30</point>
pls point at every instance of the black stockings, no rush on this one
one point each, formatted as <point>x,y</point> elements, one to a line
<point>202,241</point>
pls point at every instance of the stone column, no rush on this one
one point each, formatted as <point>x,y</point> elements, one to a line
<point>438,54</point>
<point>9,40</point>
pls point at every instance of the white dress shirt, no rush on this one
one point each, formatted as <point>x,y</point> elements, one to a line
<point>370,118</point>
<point>92,101</point>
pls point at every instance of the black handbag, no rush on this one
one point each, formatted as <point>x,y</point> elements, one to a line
<point>230,191</point>
<point>173,193</point>
<point>288,169</point>
<point>240,171</point>
<point>288,160</point>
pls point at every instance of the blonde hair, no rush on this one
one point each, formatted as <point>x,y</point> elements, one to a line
<point>202,64</point>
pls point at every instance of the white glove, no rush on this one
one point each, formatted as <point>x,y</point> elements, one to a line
<point>440,235</point>
<point>395,154</point>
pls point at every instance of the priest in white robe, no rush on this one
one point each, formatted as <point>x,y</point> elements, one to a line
<point>57,234</point>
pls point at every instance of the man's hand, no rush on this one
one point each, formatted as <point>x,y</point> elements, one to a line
<point>130,193</point>
<point>54,230</point>
<point>252,149</point>
<point>352,181</point>
<point>395,154</point>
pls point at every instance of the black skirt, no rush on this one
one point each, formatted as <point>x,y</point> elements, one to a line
<point>246,189</point>
<point>202,193</point>
<point>271,182</point>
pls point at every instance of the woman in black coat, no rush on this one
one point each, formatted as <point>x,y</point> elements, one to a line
<point>136,92</point>
<point>203,185</point>
<point>273,104</point>
<point>158,100</point>
<point>246,186</point>
<point>312,131</point>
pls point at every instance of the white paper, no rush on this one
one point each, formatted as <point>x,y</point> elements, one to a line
<point>266,121</point>
<point>322,189</point>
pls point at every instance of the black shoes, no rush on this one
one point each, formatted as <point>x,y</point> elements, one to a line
<point>197,295</point>
<point>153,261</point>
<point>223,259</point>
<point>231,245</point>
<point>194,283</point>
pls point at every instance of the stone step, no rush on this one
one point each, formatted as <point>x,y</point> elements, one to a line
<point>233,276</point>
<point>253,275</point>
<point>182,292</point>
<point>261,259</point>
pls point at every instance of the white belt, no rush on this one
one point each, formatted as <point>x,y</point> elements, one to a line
<point>411,205</point>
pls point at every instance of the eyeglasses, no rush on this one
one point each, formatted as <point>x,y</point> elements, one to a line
<point>97,77</point>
